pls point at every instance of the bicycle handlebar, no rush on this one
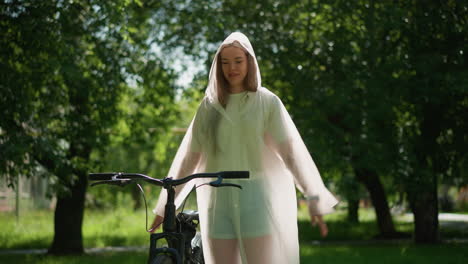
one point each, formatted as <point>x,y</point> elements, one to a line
<point>112,175</point>
<point>234,174</point>
<point>121,178</point>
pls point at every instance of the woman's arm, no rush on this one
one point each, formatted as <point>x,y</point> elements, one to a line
<point>286,153</point>
<point>188,165</point>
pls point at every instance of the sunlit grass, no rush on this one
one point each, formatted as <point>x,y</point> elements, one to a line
<point>34,229</point>
<point>121,227</point>
<point>125,227</point>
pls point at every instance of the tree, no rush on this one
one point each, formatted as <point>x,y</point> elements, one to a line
<point>142,140</point>
<point>65,67</point>
<point>433,105</point>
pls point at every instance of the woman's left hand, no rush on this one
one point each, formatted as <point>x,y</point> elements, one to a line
<point>318,220</point>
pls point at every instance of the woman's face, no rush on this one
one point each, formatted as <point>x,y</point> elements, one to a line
<point>234,64</point>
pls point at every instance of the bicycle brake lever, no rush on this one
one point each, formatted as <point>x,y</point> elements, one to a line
<point>214,184</point>
<point>219,183</point>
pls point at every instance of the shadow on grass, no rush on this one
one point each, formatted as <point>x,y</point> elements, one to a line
<point>453,229</point>
<point>341,230</point>
<point>103,240</point>
<point>98,240</point>
<point>32,243</point>
<point>398,253</point>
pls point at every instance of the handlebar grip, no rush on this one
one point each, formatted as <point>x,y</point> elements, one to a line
<point>102,176</point>
<point>235,174</point>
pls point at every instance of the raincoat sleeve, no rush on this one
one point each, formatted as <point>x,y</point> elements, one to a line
<point>185,162</point>
<point>196,140</point>
<point>288,144</point>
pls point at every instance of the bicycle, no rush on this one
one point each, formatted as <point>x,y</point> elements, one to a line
<point>184,244</point>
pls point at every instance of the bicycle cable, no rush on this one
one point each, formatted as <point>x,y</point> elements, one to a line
<point>185,200</point>
<point>203,184</point>
<point>146,206</point>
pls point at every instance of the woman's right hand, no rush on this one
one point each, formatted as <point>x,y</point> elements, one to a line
<point>156,223</point>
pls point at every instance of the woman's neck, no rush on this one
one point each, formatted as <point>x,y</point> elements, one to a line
<point>236,89</point>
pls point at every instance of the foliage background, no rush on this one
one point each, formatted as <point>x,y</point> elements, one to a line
<point>378,90</point>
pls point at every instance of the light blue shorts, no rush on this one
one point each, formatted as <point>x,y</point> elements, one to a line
<point>238,213</point>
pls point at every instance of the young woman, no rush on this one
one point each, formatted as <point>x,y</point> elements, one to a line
<point>241,125</point>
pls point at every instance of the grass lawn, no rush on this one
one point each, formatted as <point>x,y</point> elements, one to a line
<point>100,228</point>
<point>126,228</point>
<point>114,258</point>
<point>366,229</point>
<point>411,254</point>
<point>332,254</point>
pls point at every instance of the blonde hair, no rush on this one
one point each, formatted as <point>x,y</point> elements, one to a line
<point>222,85</point>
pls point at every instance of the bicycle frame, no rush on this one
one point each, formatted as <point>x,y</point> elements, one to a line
<point>175,240</point>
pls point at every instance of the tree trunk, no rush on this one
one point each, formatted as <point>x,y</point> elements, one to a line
<point>423,202</point>
<point>426,222</point>
<point>353,206</point>
<point>379,200</point>
<point>422,187</point>
<point>68,220</point>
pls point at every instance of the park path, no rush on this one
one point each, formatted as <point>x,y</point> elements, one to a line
<point>87,251</point>
<point>444,217</point>
<point>453,221</point>
<point>453,217</point>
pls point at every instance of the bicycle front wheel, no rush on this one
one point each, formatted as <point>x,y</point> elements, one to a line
<point>162,259</point>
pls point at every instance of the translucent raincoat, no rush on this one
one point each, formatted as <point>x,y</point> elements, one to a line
<point>253,132</point>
